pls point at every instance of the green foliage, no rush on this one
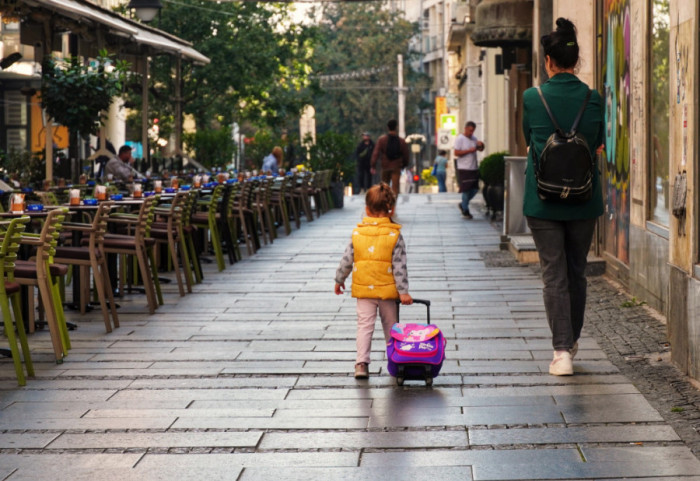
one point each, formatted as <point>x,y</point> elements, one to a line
<point>261,146</point>
<point>332,151</point>
<point>362,40</point>
<point>24,166</point>
<point>492,169</point>
<point>634,302</point>
<point>677,409</point>
<point>213,148</point>
<point>259,63</point>
<point>75,93</point>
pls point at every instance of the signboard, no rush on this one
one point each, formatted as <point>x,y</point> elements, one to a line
<point>445,139</point>
<point>440,110</point>
<point>448,121</point>
<point>452,101</point>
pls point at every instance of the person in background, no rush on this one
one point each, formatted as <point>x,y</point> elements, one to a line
<point>120,166</point>
<point>271,163</point>
<point>466,145</point>
<point>363,159</point>
<point>392,153</point>
<point>562,232</point>
<point>376,256</point>
<point>441,170</point>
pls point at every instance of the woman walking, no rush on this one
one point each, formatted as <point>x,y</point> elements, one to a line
<point>562,232</point>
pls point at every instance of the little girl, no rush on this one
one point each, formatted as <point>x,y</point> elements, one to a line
<point>377,257</point>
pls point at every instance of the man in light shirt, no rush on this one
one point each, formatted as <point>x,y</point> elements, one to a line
<point>465,148</point>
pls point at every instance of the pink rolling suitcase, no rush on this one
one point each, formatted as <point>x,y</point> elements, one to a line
<point>416,351</point>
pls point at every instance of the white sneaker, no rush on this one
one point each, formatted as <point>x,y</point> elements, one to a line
<point>562,364</point>
<point>574,350</point>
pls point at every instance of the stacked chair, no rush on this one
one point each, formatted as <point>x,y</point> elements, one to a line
<point>10,293</point>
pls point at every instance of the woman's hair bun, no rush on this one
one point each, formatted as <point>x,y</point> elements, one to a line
<point>565,26</point>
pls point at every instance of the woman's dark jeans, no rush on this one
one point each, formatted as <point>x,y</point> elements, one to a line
<point>563,250</point>
<point>441,177</point>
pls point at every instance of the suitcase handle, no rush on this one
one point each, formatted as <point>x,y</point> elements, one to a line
<point>415,301</point>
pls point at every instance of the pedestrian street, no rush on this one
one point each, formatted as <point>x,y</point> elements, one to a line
<point>250,377</point>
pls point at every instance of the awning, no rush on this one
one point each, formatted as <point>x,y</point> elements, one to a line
<point>81,10</point>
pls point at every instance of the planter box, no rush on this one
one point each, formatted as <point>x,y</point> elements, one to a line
<point>337,193</point>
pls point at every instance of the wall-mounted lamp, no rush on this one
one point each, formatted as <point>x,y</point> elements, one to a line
<point>146,10</point>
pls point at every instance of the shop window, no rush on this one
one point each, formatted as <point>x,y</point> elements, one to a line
<point>659,185</point>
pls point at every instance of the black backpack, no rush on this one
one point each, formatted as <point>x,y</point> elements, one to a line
<point>393,147</point>
<point>565,169</point>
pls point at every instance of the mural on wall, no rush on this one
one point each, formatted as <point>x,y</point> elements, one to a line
<point>616,78</point>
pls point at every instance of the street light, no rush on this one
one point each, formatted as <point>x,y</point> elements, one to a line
<point>146,10</point>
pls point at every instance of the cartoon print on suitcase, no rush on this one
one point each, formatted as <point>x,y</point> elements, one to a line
<point>416,351</point>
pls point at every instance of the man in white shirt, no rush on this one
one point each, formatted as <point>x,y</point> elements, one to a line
<point>465,147</point>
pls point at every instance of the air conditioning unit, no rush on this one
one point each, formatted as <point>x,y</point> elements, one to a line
<point>425,24</point>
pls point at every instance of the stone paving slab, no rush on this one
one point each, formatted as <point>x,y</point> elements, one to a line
<point>356,474</point>
<point>631,434</point>
<point>156,440</point>
<point>233,383</point>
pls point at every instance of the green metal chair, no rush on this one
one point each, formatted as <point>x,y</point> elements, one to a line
<point>10,293</point>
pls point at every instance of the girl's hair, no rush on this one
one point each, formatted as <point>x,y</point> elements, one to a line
<point>442,152</point>
<point>561,44</point>
<point>380,198</point>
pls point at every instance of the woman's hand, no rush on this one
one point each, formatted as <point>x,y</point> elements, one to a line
<point>405,299</point>
<point>339,288</point>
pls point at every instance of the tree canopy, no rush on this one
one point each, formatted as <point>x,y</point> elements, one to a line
<point>356,63</point>
<point>259,62</point>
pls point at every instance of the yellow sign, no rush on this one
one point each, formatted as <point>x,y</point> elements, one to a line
<point>440,110</point>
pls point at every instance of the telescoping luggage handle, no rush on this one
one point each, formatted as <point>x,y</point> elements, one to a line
<point>419,301</point>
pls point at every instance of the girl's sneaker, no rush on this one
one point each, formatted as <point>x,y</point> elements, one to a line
<point>361,370</point>
<point>562,364</point>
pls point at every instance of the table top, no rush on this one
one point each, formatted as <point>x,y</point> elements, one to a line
<point>30,213</point>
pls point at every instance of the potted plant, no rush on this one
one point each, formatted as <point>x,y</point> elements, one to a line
<point>75,93</point>
<point>492,172</point>
<point>332,152</point>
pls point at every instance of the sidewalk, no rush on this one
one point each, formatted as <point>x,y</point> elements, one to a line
<point>250,377</point>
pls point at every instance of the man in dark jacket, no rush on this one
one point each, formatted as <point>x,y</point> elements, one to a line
<point>392,152</point>
<point>363,158</point>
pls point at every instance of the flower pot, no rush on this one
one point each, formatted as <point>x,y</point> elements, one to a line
<point>495,197</point>
<point>337,193</point>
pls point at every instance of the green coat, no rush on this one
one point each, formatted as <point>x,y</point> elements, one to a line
<point>565,94</point>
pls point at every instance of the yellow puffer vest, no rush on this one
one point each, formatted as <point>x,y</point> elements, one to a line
<point>373,242</point>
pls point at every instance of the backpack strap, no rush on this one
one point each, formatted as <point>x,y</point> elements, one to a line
<point>572,132</point>
<point>580,113</point>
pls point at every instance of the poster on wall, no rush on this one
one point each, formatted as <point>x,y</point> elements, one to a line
<point>616,80</point>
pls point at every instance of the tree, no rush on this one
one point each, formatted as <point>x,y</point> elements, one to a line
<point>356,58</point>
<point>259,63</point>
<point>74,93</point>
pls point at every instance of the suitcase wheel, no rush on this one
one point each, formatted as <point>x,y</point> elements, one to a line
<point>428,381</point>
<point>399,381</point>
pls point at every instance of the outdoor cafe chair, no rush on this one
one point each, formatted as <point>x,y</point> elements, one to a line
<point>168,232</point>
<point>188,230</point>
<point>92,256</point>
<point>42,271</point>
<point>136,242</point>
<point>10,293</point>
<point>209,220</point>
<point>278,203</point>
<point>301,194</point>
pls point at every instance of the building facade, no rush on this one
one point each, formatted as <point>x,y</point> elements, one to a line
<point>643,57</point>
